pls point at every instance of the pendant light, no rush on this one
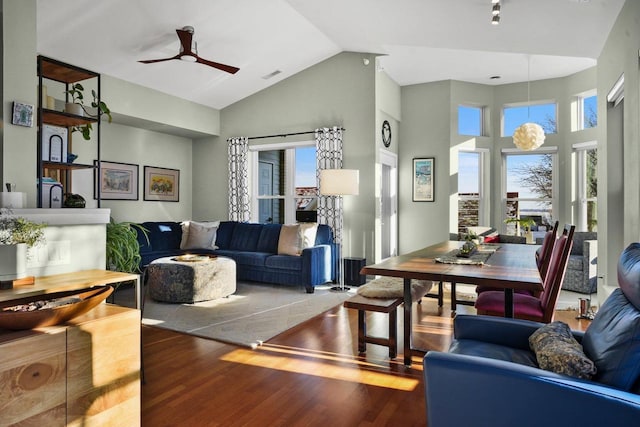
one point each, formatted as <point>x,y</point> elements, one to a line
<point>528,136</point>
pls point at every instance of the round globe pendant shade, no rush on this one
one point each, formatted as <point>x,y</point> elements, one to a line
<point>528,136</point>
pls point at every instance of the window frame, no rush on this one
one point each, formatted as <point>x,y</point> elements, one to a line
<point>505,152</point>
<point>289,186</point>
<point>483,119</point>
<point>524,105</point>
<point>580,176</point>
<point>484,204</point>
<point>580,110</point>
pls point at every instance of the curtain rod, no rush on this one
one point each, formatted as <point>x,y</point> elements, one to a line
<point>284,135</point>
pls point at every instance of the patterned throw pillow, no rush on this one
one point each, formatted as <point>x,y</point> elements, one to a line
<point>558,351</point>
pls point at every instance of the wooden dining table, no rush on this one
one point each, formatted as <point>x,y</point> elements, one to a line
<point>509,267</point>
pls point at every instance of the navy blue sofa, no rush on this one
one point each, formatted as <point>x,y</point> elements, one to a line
<point>254,248</point>
<point>490,376</point>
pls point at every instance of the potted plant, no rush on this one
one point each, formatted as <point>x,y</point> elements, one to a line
<point>79,108</point>
<point>17,234</point>
<point>524,224</point>
<point>123,249</point>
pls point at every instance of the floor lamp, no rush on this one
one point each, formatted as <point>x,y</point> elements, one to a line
<point>339,182</point>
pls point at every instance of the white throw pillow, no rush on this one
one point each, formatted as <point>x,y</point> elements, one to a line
<point>289,242</point>
<point>199,235</point>
<point>296,237</point>
<point>308,231</point>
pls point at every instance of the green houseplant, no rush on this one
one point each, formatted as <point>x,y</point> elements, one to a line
<point>524,224</point>
<point>16,235</point>
<point>15,230</point>
<point>123,249</point>
<point>77,96</point>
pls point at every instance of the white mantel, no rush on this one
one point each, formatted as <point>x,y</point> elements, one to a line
<point>65,216</point>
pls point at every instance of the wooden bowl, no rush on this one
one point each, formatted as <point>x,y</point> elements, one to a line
<point>88,298</point>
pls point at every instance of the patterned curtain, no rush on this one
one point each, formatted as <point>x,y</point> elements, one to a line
<point>329,156</point>
<point>239,207</point>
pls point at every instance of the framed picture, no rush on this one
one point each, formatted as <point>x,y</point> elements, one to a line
<point>423,185</point>
<point>161,184</point>
<point>117,181</point>
<point>22,114</point>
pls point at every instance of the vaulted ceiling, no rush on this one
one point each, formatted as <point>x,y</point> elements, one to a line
<point>419,40</point>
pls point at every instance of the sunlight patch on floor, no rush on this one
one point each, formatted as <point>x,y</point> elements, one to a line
<point>320,364</point>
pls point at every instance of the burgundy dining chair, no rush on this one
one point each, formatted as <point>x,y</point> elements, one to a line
<point>543,256</point>
<point>539,309</point>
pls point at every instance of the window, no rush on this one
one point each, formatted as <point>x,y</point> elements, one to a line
<point>470,120</point>
<point>586,186</point>
<point>284,189</point>
<point>543,114</point>
<point>471,195</point>
<point>588,111</point>
<point>529,188</point>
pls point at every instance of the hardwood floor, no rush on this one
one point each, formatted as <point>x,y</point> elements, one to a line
<point>310,375</point>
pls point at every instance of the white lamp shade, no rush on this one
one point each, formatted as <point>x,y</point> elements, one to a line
<point>339,182</point>
<point>528,136</point>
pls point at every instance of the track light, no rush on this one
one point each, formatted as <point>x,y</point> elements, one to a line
<point>495,12</point>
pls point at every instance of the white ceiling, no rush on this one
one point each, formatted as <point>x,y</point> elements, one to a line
<point>419,40</point>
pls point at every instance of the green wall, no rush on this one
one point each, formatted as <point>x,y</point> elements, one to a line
<point>429,128</point>
<point>19,83</point>
<point>619,156</point>
<point>339,91</point>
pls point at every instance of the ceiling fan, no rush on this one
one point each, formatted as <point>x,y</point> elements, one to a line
<point>189,53</point>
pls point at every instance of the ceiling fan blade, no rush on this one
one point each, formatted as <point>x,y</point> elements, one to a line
<point>151,61</point>
<point>223,67</point>
<point>186,38</point>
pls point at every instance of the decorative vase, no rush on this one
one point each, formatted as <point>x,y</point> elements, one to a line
<point>13,261</point>
<point>73,108</point>
<point>529,235</point>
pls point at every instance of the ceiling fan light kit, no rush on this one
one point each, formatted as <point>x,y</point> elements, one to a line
<point>189,53</point>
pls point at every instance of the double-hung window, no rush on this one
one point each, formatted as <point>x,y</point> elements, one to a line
<point>283,178</point>
<point>529,187</point>
<point>586,157</point>
<point>472,198</point>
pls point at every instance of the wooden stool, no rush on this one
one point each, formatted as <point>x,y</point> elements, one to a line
<point>389,306</point>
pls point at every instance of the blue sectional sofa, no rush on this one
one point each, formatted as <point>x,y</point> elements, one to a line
<point>254,248</point>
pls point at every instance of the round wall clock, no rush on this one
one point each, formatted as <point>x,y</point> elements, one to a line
<point>386,133</point>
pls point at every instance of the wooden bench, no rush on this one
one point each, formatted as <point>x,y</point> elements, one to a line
<point>389,306</point>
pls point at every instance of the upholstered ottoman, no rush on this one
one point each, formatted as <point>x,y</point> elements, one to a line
<point>191,278</point>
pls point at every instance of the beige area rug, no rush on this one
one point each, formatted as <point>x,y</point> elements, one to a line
<point>254,314</point>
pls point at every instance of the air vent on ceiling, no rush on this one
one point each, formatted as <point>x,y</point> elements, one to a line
<point>272,74</point>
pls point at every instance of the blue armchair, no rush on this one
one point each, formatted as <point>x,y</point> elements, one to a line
<point>490,376</point>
